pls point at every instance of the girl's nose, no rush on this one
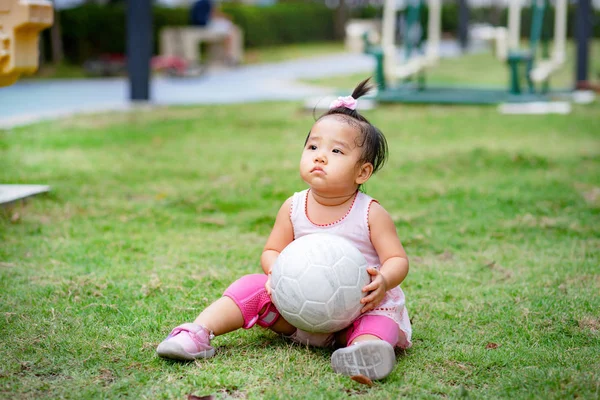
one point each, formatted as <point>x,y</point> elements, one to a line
<point>320,157</point>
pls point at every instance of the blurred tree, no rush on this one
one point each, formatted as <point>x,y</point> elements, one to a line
<point>340,17</point>
<point>56,42</point>
<point>495,16</point>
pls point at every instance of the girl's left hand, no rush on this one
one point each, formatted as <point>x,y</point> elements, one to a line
<point>268,284</point>
<point>376,289</point>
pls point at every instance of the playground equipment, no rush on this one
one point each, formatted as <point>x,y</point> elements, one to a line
<point>20,24</point>
<point>540,72</point>
<point>417,60</point>
<point>405,81</point>
<point>21,21</point>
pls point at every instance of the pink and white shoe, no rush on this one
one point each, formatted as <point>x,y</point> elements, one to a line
<point>187,342</point>
<point>374,359</point>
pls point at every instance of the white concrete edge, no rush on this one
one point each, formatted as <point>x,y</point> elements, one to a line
<point>536,108</point>
<point>12,193</point>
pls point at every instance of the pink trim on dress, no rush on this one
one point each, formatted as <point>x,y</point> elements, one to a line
<point>292,217</point>
<point>368,211</point>
<point>331,223</point>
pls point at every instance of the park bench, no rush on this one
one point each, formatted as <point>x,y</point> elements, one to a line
<point>184,42</point>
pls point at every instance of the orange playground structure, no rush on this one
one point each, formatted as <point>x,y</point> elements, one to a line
<point>21,22</point>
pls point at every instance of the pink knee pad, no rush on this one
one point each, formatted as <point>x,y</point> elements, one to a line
<point>377,325</point>
<point>250,295</point>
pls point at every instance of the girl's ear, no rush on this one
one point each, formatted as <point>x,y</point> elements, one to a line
<point>364,173</point>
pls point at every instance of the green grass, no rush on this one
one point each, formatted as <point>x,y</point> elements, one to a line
<point>291,52</point>
<point>484,69</point>
<point>58,71</point>
<point>152,214</point>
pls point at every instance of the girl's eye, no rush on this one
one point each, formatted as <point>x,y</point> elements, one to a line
<point>312,147</point>
<point>337,151</point>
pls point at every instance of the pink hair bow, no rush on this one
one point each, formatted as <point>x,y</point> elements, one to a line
<point>348,102</point>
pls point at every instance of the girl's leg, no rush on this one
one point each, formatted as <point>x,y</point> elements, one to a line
<point>373,327</point>
<point>283,327</point>
<point>224,316</point>
<point>342,337</point>
<point>244,303</point>
<point>370,348</point>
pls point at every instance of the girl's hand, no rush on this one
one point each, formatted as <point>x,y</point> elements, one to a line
<point>268,285</point>
<point>376,289</point>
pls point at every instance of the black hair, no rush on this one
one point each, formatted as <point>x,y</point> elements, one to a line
<point>371,140</point>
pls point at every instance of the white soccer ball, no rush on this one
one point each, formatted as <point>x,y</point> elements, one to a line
<point>317,281</point>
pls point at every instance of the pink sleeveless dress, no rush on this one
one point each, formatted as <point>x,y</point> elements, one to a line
<point>354,226</point>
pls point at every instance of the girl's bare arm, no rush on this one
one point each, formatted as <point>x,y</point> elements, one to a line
<point>394,262</point>
<point>281,235</point>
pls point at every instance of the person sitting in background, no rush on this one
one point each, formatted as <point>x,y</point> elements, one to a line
<point>204,14</point>
<point>200,12</point>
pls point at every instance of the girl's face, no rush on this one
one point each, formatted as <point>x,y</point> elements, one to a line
<point>329,163</point>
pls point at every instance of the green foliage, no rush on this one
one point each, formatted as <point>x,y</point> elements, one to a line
<point>282,23</point>
<point>499,17</point>
<point>90,30</point>
<point>548,25</point>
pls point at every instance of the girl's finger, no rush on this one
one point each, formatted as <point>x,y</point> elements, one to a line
<point>371,287</point>
<point>366,299</point>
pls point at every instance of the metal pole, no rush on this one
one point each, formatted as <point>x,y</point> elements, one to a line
<point>583,27</point>
<point>463,24</point>
<point>139,48</point>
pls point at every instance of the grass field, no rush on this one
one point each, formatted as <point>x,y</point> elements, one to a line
<point>153,213</point>
<point>292,51</point>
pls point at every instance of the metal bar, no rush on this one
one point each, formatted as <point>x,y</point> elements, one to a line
<point>463,24</point>
<point>582,33</point>
<point>139,48</point>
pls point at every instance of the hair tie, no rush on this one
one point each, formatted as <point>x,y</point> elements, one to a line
<point>348,102</point>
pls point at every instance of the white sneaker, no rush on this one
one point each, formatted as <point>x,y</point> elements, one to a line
<point>374,359</point>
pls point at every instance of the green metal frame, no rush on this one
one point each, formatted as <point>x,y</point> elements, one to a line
<point>377,52</point>
<point>527,57</point>
<point>411,45</point>
<point>520,64</point>
<point>412,21</point>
